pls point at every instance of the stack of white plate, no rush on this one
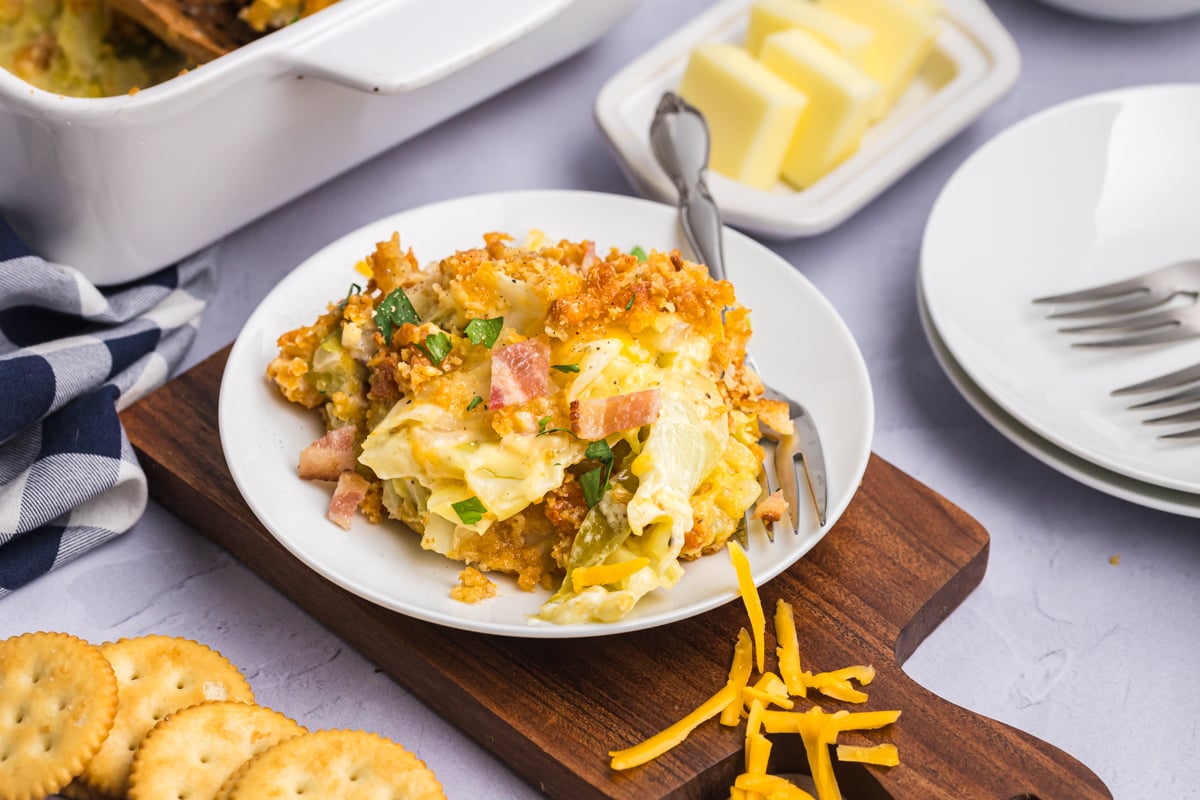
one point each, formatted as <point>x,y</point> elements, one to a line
<point>1099,189</point>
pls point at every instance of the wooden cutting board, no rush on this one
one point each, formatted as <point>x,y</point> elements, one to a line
<point>896,564</point>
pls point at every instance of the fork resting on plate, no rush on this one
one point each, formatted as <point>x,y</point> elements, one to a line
<point>1158,307</point>
<point>679,138</point>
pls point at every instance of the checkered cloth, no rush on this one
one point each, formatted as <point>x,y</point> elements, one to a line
<point>72,356</point>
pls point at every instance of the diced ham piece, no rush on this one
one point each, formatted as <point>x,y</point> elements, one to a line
<point>589,256</point>
<point>330,456</point>
<point>350,491</point>
<point>771,509</point>
<point>595,419</point>
<point>520,372</point>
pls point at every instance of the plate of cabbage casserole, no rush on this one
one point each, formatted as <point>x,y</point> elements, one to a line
<point>529,413</point>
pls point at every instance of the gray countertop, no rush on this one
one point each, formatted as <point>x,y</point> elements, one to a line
<point>1093,657</point>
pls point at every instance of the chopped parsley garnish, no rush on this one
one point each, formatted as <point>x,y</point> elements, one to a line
<point>565,367</point>
<point>632,297</point>
<point>353,290</point>
<point>544,431</point>
<point>436,346</point>
<point>484,331</point>
<point>600,451</point>
<point>395,310</point>
<point>470,510</point>
<point>595,481</point>
<point>476,400</point>
<point>638,253</point>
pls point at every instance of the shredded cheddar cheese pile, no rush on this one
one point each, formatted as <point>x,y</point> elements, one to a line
<point>739,699</point>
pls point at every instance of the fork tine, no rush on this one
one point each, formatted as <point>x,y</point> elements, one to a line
<point>1191,415</point>
<point>1194,433</point>
<point>1144,322</point>
<point>764,482</point>
<point>1168,381</point>
<point>1103,292</point>
<point>1185,396</point>
<point>787,472</point>
<point>1179,333</point>
<point>1143,301</point>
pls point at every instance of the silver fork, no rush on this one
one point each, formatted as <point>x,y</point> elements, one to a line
<point>1188,377</point>
<point>1127,308</point>
<point>679,137</point>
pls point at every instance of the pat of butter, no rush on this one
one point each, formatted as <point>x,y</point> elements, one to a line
<point>751,112</point>
<point>841,103</point>
<point>904,36</point>
<point>840,34</point>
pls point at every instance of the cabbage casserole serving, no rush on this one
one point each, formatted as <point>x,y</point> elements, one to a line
<point>580,422</point>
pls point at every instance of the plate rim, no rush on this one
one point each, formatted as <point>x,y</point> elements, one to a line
<point>522,628</point>
<point>940,316</point>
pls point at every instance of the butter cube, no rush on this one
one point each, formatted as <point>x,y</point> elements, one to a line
<point>840,34</point>
<point>751,112</point>
<point>904,37</point>
<point>841,102</point>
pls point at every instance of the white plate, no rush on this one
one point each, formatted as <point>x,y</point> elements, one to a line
<point>1129,10</point>
<point>1145,494</point>
<point>801,343</point>
<point>1095,190</point>
<point>973,64</point>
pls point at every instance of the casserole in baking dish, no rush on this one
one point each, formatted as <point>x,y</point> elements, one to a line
<point>121,186</point>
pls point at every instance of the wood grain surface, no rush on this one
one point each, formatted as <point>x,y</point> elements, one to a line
<point>897,563</point>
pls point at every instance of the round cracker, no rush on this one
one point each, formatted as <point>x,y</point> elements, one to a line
<point>335,765</point>
<point>156,676</point>
<point>58,699</point>
<point>191,753</point>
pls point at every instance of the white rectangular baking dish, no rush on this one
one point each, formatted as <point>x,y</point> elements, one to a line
<point>119,187</point>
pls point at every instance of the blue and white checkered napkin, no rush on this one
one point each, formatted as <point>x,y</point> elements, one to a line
<point>72,356</point>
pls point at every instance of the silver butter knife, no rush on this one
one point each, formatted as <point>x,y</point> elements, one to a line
<point>679,138</point>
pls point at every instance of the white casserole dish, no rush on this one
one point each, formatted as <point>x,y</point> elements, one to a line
<point>119,187</point>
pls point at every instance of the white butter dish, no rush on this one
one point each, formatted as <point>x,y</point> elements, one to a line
<point>973,63</point>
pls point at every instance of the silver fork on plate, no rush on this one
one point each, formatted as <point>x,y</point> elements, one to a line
<point>1186,383</point>
<point>679,138</point>
<point>1128,307</point>
<point>1133,308</point>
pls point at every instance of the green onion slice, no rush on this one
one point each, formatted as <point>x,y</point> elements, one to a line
<point>470,510</point>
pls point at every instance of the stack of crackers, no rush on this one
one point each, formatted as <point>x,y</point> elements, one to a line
<point>160,717</point>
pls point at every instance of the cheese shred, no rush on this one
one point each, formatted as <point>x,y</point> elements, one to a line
<point>604,574</point>
<point>661,742</point>
<point>881,755</point>
<point>754,609</point>
<point>772,787</point>
<point>739,676</point>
